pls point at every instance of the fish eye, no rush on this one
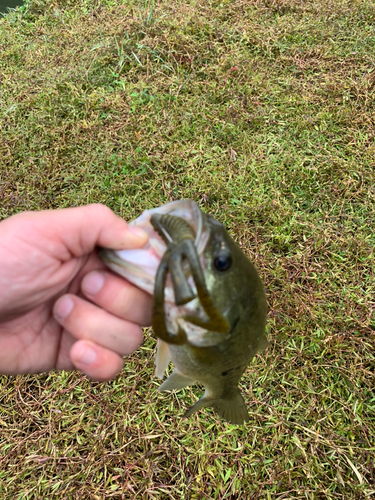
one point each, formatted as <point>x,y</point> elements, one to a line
<point>223,262</point>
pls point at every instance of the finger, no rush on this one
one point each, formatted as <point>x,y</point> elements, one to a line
<point>77,231</point>
<point>87,321</point>
<point>95,361</point>
<point>118,296</point>
<point>63,361</point>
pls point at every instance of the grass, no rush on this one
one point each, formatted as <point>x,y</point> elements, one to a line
<point>263,112</point>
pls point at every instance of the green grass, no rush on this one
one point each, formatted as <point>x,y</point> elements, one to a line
<point>263,112</point>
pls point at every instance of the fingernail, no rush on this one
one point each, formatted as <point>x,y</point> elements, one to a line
<point>63,307</point>
<point>137,231</point>
<point>92,283</point>
<point>85,355</point>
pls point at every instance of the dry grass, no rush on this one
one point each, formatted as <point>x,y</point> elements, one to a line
<point>263,112</point>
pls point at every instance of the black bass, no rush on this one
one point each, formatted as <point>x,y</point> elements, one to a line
<point>209,310</point>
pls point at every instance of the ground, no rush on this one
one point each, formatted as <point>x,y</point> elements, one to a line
<point>263,112</point>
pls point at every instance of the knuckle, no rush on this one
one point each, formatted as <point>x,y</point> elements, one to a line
<point>100,209</point>
<point>136,340</point>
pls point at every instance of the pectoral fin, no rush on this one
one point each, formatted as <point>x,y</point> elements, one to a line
<point>162,359</point>
<point>175,381</point>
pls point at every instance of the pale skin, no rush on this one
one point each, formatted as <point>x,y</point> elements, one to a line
<point>60,308</point>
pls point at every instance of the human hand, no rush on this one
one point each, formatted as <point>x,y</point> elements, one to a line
<point>59,306</point>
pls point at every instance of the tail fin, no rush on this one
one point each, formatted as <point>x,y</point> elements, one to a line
<point>232,408</point>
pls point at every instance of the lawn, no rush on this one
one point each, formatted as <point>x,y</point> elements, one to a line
<point>262,111</point>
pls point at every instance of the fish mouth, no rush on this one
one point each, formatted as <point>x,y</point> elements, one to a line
<point>179,237</point>
<point>140,266</point>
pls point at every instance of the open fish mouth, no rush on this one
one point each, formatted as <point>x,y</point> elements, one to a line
<point>171,268</point>
<point>140,266</point>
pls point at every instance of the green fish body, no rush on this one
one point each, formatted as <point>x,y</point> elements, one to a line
<point>209,303</point>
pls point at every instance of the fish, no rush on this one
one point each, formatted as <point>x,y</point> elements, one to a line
<point>209,303</point>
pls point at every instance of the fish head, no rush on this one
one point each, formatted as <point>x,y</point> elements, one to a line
<point>230,281</point>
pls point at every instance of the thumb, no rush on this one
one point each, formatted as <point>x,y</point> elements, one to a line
<point>96,225</point>
<point>81,229</point>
